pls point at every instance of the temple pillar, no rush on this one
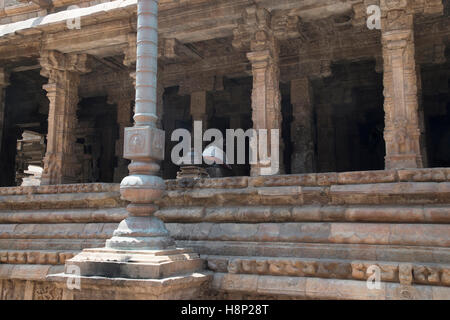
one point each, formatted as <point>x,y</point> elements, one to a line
<point>198,108</point>
<point>236,121</point>
<point>402,131</point>
<point>63,72</point>
<point>4,77</point>
<point>266,96</point>
<point>421,111</point>
<point>326,138</point>
<point>302,127</point>
<point>123,100</point>
<point>141,246</point>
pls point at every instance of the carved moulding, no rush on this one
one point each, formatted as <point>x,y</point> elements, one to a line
<point>404,273</point>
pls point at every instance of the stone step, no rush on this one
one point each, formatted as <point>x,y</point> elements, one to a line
<point>50,244</point>
<point>316,232</point>
<point>28,271</point>
<point>89,215</point>
<point>308,213</point>
<point>57,231</point>
<point>357,194</point>
<point>238,286</point>
<point>61,196</point>
<point>316,179</point>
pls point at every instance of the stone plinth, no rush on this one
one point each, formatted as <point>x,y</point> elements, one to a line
<point>98,288</point>
<point>145,264</point>
<point>147,274</point>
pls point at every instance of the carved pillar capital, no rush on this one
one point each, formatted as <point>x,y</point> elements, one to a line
<point>255,32</point>
<point>55,63</point>
<point>252,17</point>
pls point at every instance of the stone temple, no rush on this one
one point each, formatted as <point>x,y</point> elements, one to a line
<point>93,207</point>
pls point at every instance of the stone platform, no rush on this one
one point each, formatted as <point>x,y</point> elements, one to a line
<point>297,236</point>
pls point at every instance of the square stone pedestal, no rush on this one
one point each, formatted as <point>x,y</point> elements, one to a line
<point>141,274</point>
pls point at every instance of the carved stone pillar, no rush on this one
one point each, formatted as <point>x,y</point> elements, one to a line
<point>141,247</point>
<point>266,96</point>
<point>4,77</point>
<point>302,127</point>
<point>198,108</point>
<point>123,100</point>
<point>326,141</point>
<point>63,72</point>
<point>144,146</point>
<point>402,132</point>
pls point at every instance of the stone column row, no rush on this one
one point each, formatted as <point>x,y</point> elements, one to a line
<point>403,127</point>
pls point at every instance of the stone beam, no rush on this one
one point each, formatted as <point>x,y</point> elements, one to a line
<point>63,72</point>
<point>200,22</point>
<point>170,49</point>
<point>402,132</point>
